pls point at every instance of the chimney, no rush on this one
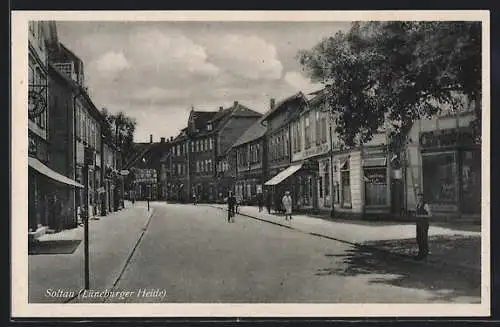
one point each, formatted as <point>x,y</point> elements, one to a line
<point>150,138</point>
<point>221,108</point>
<point>162,139</point>
<point>171,138</point>
<point>272,103</point>
<point>235,104</point>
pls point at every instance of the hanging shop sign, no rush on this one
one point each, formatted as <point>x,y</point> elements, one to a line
<point>37,100</point>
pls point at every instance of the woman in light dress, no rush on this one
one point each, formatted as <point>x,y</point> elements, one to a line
<point>287,205</point>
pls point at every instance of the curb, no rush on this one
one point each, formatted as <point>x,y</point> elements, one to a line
<point>127,261</point>
<point>465,269</point>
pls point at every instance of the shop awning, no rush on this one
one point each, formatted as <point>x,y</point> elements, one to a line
<point>375,162</point>
<point>283,175</point>
<point>42,169</point>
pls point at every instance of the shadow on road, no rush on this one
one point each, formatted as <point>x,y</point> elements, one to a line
<point>445,284</point>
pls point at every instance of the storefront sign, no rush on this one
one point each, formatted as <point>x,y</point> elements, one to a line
<point>375,176</point>
<point>446,138</point>
<point>311,152</point>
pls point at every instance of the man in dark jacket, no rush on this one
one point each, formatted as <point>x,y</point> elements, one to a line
<point>269,201</point>
<point>423,215</point>
<point>231,207</point>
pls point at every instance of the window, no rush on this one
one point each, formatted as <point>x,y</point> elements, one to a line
<point>211,143</point>
<point>318,128</point>
<point>192,146</point>
<point>197,166</point>
<point>209,127</point>
<point>307,130</point>
<point>345,178</point>
<point>210,168</point>
<point>324,127</point>
<point>439,171</point>
<point>375,185</point>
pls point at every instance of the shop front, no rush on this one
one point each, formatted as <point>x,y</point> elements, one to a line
<point>451,171</point>
<point>49,198</point>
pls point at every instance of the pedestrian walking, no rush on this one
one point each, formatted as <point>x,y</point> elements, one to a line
<point>231,207</point>
<point>287,205</point>
<point>260,201</point>
<point>269,201</point>
<point>194,199</point>
<point>423,215</point>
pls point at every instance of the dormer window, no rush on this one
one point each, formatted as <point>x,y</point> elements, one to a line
<point>209,127</point>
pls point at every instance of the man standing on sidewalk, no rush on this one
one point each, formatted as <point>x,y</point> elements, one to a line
<point>231,207</point>
<point>423,214</point>
<point>269,201</point>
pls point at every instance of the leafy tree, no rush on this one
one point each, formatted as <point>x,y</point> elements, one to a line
<point>396,72</point>
<point>122,129</point>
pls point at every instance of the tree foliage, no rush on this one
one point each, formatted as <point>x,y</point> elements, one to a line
<point>122,130</point>
<point>395,72</point>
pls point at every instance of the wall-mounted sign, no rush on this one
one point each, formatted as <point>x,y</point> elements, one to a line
<point>315,150</point>
<point>446,138</point>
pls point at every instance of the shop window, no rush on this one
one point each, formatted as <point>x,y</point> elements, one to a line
<point>375,185</point>
<point>439,172</point>
<point>345,178</point>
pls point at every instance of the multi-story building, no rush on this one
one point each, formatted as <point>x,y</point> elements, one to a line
<point>310,149</point>
<point>251,159</point>
<point>280,170</point>
<point>84,126</point>
<point>178,164</point>
<point>50,182</point>
<point>200,154</point>
<point>146,169</point>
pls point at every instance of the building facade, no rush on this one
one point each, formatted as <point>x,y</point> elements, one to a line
<point>50,179</point>
<point>280,171</point>
<point>86,132</point>
<point>251,159</point>
<point>443,160</point>
<point>311,145</point>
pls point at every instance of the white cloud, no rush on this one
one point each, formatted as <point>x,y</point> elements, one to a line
<point>159,95</point>
<point>246,56</point>
<point>112,63</point>
<point>168,51</point>
<point>300,83</point>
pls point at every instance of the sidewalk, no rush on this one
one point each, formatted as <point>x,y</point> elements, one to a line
<point>458,248</point>
<point>111,240</point>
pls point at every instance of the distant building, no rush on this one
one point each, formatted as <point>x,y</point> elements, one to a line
<point>146,167</point>
<point>251,162</point>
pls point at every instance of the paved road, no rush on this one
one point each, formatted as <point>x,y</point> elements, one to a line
<point>191,254</point>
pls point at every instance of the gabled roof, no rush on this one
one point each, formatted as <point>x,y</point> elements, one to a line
<point>280,105</point>
<point>254,132</point>
<point>201,118</point>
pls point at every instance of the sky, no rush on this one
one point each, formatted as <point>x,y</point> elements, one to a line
<point>156,72</point>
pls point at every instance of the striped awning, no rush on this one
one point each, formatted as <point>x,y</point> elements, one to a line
<point>280,177</point>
